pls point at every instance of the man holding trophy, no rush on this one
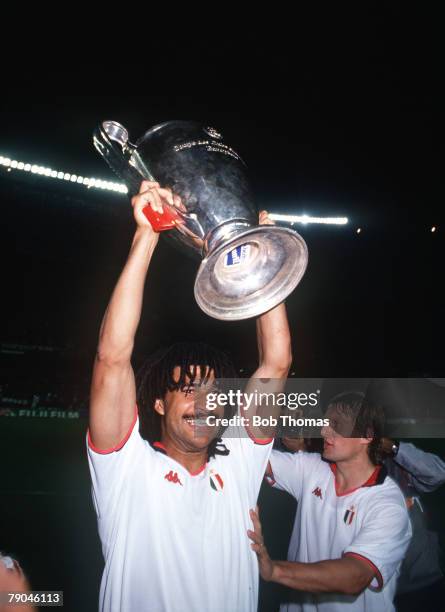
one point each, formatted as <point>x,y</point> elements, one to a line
<point>173,503</point>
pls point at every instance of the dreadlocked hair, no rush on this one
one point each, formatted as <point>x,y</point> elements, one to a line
<point>155,378</point>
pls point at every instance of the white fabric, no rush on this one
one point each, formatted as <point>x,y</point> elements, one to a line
<point>379,530</point>
<point>177,546</point>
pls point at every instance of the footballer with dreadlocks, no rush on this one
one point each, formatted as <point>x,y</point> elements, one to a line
<point>172,498</point>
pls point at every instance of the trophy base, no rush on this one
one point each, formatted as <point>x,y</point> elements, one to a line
<point>251,273</point>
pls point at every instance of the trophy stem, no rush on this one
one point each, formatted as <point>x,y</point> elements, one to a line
<point>224,233</point>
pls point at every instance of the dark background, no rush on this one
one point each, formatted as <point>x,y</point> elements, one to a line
<point>335,114</point>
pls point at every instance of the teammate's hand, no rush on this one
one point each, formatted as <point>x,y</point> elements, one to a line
<point>265,563</point>
<point>264,218</point>
<point>150,194</point>
<point>386,445</point>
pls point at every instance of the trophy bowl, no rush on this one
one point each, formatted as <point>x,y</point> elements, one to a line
<point>246,269</point>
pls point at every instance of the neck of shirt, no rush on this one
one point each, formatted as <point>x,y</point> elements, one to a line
<point>193,462</point>
<point>347,481</point>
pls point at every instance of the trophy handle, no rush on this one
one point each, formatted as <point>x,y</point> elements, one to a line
<point>112,141</point>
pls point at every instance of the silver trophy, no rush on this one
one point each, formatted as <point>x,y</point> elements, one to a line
<point>246,269</point>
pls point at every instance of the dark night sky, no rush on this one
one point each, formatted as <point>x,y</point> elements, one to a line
<point>335,121</point>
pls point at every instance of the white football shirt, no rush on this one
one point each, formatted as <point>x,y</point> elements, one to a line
<point>370,522</point>
<point>175,541</point>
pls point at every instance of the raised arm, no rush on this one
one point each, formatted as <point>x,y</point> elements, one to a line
<point>426,470</point>
<point>274,344</point>
<point>113,390</point>
<point>273,336</point>
<point>275,358</point>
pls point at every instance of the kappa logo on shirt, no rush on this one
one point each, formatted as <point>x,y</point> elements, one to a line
<point>349,515</point>
<point>317,492</point>
<point>173,477</point>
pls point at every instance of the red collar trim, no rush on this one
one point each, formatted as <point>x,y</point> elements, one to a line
<point>201,469</point>
<point>373,480</point>
<point>160,447</point>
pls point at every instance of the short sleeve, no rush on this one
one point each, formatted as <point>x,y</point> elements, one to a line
<point>383,539</point>
<point>251,456</point>
<point>289,470</point>
<point>109,469</point>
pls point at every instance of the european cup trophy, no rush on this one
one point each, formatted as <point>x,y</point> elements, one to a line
<point>245,269</point>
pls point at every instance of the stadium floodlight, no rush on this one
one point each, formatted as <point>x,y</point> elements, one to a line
<point>307,219</point>
<point>13,164</point>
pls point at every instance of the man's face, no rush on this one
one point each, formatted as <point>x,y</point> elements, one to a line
<point>184,412</point>
<point>338,443</point>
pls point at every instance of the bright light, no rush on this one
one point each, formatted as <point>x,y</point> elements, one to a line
<point>433,229</point>
<point>359,230</point>
<point>122,188</point>
<point>305,219</point>
<point>60,175</point>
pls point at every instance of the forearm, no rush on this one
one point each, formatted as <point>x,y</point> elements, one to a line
<point>331,576</point>
<point>275,357</point>
<point>274,342</point>
<point>123,313</point>
<point>426,469</point>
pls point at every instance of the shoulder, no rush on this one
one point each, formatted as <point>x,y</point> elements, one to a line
<point>310,462</point>
<point>132,445</point>
<point>300,457</point>
<point>385,500</point>
<point>390,490</point>
<point>238,440</point>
